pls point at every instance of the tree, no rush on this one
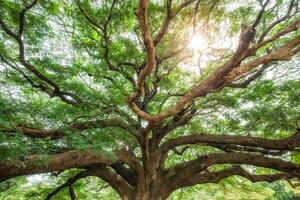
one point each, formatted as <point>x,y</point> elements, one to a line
<point>105,87</point>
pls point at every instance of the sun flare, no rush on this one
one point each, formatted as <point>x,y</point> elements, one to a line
<point>197,43</point>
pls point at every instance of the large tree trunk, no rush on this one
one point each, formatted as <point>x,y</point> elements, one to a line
<point>155,192</point>
<point>151,182</point>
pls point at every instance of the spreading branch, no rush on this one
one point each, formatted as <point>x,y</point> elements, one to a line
<point>289,143</point>
<point>285,52</point>
<point>114,180</point>
<point>179,172</point>
<point>232,69</point>
<point>35,164</point>
<point>18,38</point>
<point>77,126</point>
<point>215,177</point>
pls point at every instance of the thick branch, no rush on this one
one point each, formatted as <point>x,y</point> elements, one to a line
<point>220,77</point>
<point>215,177</point>
<point>191,168</point>
<point>114,180</point>
<point>214,81</point>
<point>58,162</point>
<point>179,120</point>
<point>59,133</point>
<point>126,173</point>
<point>250,79</point>
<point>142,15</point>
<point>289,143</point>
<point>285,52</point>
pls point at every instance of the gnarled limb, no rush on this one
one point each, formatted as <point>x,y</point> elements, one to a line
<point>250,79</point>
<point>149,65</point>
<point>286,52</point>
<point>142,15</point>
<point>227,72</point>
<point>214,81</point>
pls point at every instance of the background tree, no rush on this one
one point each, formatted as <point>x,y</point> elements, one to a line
<point>150,96</point>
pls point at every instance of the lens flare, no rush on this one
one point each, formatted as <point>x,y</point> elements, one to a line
<point>197,43</point>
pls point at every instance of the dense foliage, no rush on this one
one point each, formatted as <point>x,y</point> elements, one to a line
<point>137,99</point>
